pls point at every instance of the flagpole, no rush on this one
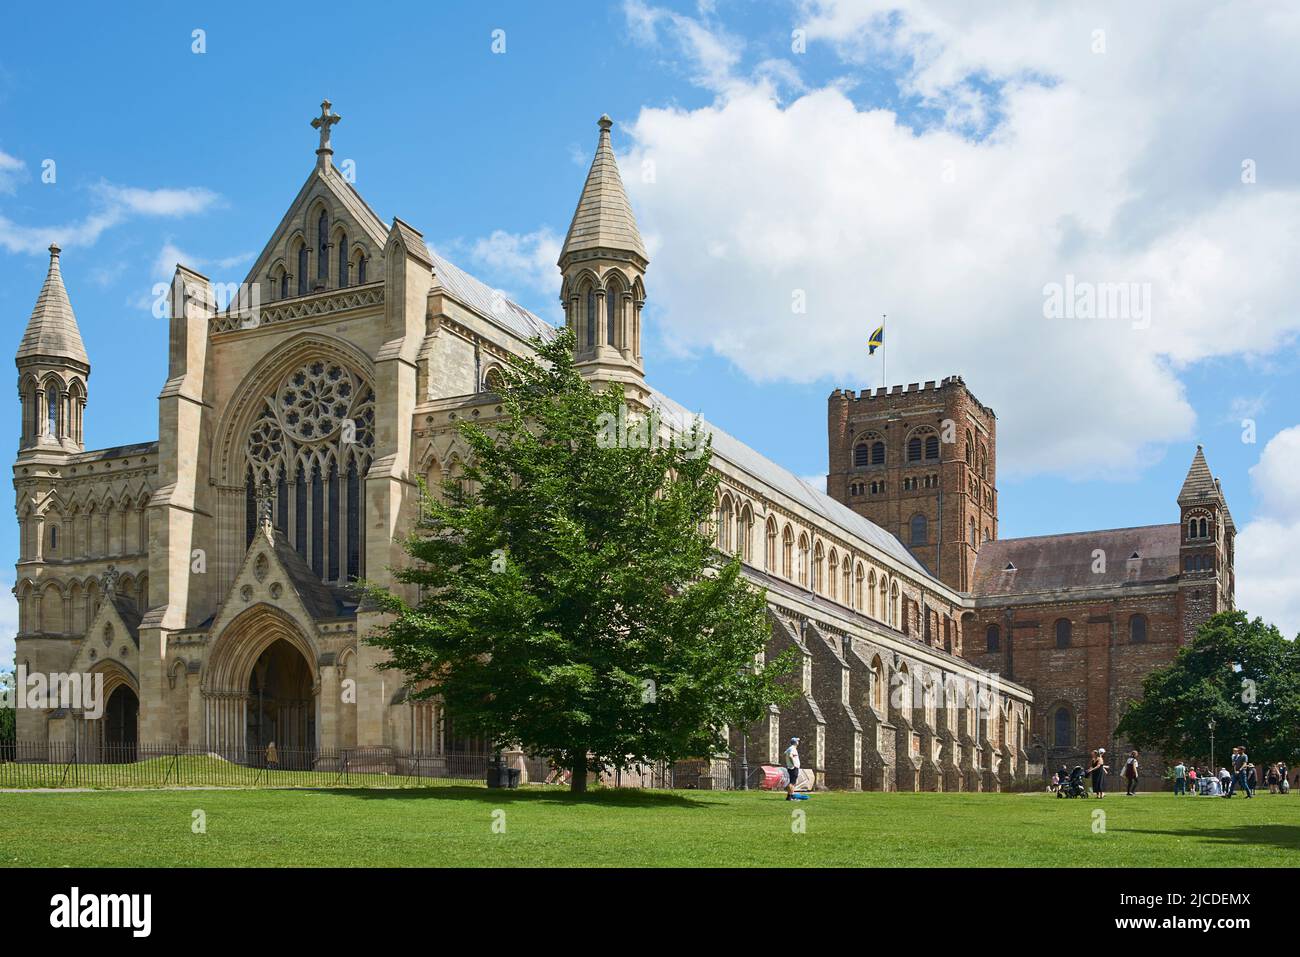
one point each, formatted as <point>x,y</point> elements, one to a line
<point>882,356</point>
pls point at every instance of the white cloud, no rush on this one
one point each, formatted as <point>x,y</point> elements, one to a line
<point>170,256</point>
<point>1048,161</point>
<point>113,206</point>
<point>12,169</point>
<point>1267,582</point>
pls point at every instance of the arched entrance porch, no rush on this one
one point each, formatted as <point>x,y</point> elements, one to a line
<point>261,686</point>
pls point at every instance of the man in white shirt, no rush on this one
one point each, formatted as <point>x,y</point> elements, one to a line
<point>790,758</point>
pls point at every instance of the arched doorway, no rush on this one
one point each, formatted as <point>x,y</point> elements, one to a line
<point>120,725</point>
<point>281,708</point>
<point>260,685</point>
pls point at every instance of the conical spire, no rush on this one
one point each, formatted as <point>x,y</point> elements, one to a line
<point>1199,486</point>
<point>52,330</point>
<point>603,219</point>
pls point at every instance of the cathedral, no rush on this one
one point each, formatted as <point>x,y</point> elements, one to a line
<point>206,575</point>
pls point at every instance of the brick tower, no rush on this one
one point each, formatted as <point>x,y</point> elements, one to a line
<point>921,463</point>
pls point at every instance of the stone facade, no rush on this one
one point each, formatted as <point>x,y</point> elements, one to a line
<point>207,574</point>
<point>1080,618</point>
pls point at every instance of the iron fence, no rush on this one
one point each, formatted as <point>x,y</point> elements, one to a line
<point>29,765</point>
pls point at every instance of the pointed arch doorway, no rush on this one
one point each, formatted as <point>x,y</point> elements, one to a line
<point>281,706</point>
<point>261,686</point>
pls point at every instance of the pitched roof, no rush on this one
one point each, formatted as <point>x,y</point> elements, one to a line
<point>603,219</point>
<point>1057,562</point>
<point>737,453</point>
<point>483,299</point>
<point>317,597</point>
<point>52,329</point>
<point>1199,484</point>
<point>130,616</point>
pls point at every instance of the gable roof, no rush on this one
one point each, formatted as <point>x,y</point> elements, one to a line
<point>346,195</point>
<point>1060,562</point>
<point>849,522</point>
<point>52,329</point>
<point>482,298</point>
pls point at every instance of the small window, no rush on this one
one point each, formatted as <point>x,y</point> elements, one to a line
<point>920,530</point>
<point>1137,629</point>
<point>54,538</point>
<point>1062,728</point>
<point>992,638</point>
<point>1063,629</point>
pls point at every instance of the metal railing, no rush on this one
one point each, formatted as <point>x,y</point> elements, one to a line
<point>28,765</point>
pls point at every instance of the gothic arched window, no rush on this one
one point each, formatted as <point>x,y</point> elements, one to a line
<point>361,268</point>
<point>322,246</point>
<point>591,317</point>
<point>343,260</point>
<point>992,638</point>
<point>1063,630</point>
<point>920,530</point>
<point>302,269</point>
<point>52,398</point>
<point>1137,629</point>
<point>309,449</point>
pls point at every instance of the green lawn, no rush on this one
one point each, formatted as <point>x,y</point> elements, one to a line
<point>454,826</point>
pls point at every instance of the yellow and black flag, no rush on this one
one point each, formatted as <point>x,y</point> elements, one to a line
<point>876,341</point>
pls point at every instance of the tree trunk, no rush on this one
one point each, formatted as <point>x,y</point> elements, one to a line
<point>578,768</point>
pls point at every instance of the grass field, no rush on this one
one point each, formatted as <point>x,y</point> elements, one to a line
<point>454,826</point>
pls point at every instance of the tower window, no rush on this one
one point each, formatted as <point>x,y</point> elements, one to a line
<point>992,638</point>
<point>591,318</point>
<point>302,270</point>
<point>1063,633</point>
<point>1062,728</point>
<point>914,449</point>
<point>878,453</point>
<point>343,260</point>
<point>52,396</point>
<point>920,530</point>
<point>932,447</point>
<point>1137,629</point>
<point>861,455</point>
<point>322,246</point>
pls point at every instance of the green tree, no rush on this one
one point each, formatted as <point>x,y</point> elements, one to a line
<point>572,602</point>
<point>1243,675</point>
<point>8,712</point>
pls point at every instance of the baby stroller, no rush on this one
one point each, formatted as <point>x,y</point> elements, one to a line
<point>1073,787</point>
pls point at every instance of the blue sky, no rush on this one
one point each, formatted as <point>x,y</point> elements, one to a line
<point>887,159</point>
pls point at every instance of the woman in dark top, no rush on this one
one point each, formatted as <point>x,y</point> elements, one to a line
<point>1097,768</point>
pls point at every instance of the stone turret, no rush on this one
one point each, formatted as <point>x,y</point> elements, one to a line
<point>52,371</point>
<point>604,263</point>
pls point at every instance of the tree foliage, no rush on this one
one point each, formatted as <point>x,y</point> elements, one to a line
<point>572,601</point>
<point>1242,675</point>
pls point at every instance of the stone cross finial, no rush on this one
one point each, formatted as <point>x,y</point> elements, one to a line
<point>323,123</point>
<point>110,580</point>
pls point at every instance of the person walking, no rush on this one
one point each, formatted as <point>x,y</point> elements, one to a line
<point>1240,759</point>
<point>1097,768</point>
<point>1180,778</point>
<point>790,758</point>
<point>1131,774</point>
<point>272,757</point>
